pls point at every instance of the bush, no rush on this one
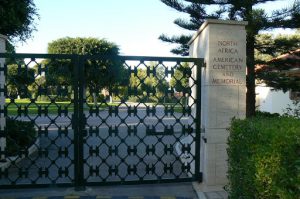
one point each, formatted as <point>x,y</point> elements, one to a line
<point>266,114</point>
<point>99,98</point>
<point>293,110</point>
<point>20,136</point>
<point>264,158</point>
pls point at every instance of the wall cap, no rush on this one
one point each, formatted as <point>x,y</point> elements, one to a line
<point>216,21</point>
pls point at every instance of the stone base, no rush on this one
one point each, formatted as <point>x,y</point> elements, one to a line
<point>206,188</point>
<point>209,192</point>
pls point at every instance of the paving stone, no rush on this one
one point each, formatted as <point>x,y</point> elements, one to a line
<point>213,195</point>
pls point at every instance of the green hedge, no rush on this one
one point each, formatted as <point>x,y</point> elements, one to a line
<point>20,136</point>
<point>264,158</point>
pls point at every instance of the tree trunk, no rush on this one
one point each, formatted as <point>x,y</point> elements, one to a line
<point>110,99</point>
<point>250,81</point>
<point>95,99</point>
<point>250,95</point>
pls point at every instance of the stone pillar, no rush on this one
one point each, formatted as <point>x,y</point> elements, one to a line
<point>2,96</point>
<point>222,44</point>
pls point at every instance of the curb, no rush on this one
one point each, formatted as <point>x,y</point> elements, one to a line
<point>97,197</point>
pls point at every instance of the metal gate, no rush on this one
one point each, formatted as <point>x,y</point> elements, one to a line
<point>77,120</point>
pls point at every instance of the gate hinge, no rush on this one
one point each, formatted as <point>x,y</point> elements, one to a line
<point>200,177</point>
<point>204,139</point>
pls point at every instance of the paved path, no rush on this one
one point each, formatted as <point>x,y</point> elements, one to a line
<point>101,197</point>
<point>117,147</point>
<point>215,195</point>
<point>122,122</point>
<point>151,191</point>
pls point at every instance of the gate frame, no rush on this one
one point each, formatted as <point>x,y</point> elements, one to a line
<point>78,118</point>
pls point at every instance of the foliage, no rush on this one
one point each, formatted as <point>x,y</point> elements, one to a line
<point>264,160</point>
<point>20,136</point>
<point>199,11</point>
<point>9,47</point>
<point>293,110</point>
<point>272,69</point>
<point>180,80</point>
<point>99,73</point>
<point>99,98</point>
<point>145,84</point>
<point>19,79</point>
<point>268,46</point>
<point>266,114</point>
<point>17,18</point>
<point>257,19</point>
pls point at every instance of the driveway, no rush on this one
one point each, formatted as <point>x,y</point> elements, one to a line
<point>126,146</point>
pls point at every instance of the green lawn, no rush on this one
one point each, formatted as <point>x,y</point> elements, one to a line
<point>22,105</point>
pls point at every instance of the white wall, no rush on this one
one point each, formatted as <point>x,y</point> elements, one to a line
<point>272,101</point>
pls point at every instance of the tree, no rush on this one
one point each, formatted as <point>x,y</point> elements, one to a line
<point>17,18</point>
<point>162,85</point>
<point>99,73</point>
<point>258,19</point>
<point>276,56</point>
<point>18,80</point>
<point>180,81</point>
<point>144,83</point>
<point>268,46</point>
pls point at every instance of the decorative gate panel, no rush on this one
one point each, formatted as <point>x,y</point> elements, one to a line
<point>87,120</point>
<point>39,147</point>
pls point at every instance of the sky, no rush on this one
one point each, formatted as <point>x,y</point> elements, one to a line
<point>134,25</point>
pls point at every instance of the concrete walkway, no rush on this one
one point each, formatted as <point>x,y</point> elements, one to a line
<point>213,195</point>
<point>152,191</point>
<point>155,191</point>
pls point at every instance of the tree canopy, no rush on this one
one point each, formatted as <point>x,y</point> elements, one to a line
<point>276,57</point>
<point>19,79</point>
<point>17,18</point>
<point>258,19</point>
<point>180,80</point>
<point>200,10</point>
<point>146,84</point>
<point>99,73</point>
<point>269,46</point>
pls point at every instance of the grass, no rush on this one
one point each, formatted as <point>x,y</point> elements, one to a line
<point>20,105</point>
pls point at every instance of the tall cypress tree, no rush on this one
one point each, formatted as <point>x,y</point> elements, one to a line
<point>258,19</point>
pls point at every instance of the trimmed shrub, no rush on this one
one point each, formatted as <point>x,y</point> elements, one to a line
<point>266,114</point>
<point>20,136</point>
<point>264,158</point>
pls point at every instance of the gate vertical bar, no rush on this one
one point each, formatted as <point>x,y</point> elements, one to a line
<point>2,100</point>
<point>198,174</point>
<point>78,124</point>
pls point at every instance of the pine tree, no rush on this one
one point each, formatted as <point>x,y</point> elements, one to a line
<point>269,46</point>
<point>258,19</point>
<point>277,56</point>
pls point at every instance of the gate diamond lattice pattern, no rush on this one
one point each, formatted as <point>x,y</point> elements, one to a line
<point>76,120</point>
